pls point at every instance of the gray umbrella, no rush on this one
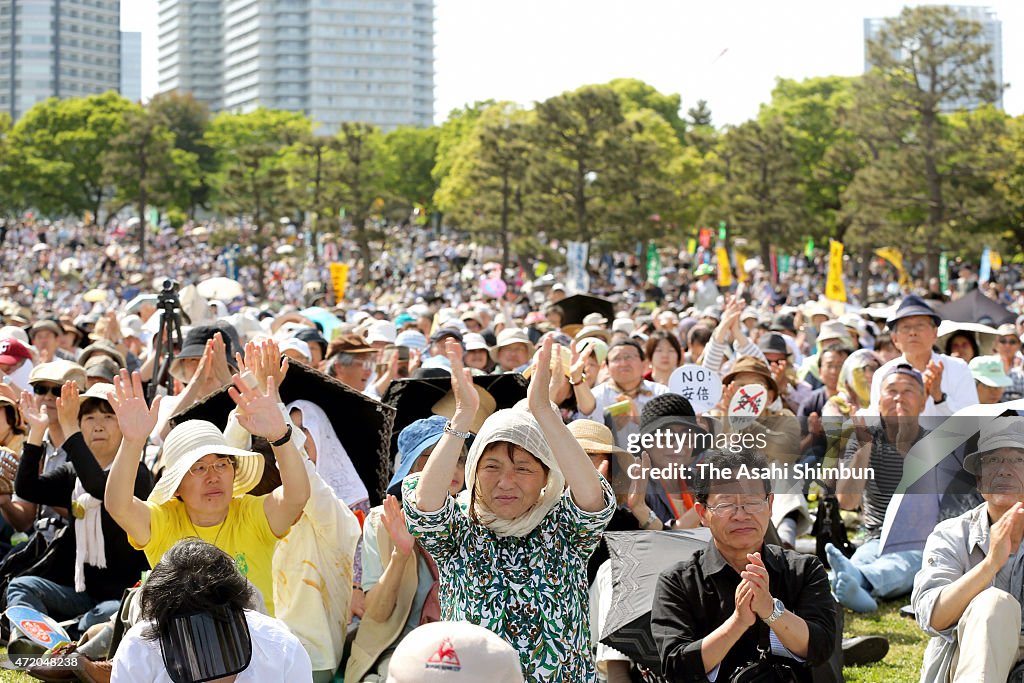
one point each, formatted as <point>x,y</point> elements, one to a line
<point>638,558</point>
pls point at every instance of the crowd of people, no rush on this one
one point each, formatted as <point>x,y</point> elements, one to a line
<point>894,466</point>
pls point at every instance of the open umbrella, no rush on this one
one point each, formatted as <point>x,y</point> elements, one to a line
<point>579,305</point>
<point>222,288</point>
<point>983,334</point>
<point>975,307</point>
<point>412,399</point>
<point>638,558</point>
<point>327,320</point>
<point>363,425</point>
<point>285,249</point>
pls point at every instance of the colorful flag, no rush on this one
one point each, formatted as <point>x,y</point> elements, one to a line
<point>995,259</point>
<point>809,247</point>
<point>653,264</point>
<point>985,272</point>
<point>691,246</point>
<point>741,270</point>
<point>339,279</point>
<point>705,237</point>
<point>721,231</point>
<point>724,272</point>
<point>943,271</point>
<point>893,256</point>
<point>834,287</point>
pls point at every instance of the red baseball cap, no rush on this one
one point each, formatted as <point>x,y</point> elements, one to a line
<point>13,351</point>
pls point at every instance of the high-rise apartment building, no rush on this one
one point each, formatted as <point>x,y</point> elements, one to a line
<point>992,35</point>
<point>334,60</point>
<point>57,48</point>
<point>131,65</point>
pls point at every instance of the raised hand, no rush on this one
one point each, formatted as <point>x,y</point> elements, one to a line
<point>1005,536</point>
<point>933,379</point>
<point>538,394</point>
<point>393,519</point>
<point>263,360</point>
<point>757,576</point>
<point>467,401</point>
<point>577,369</point>
<point>136,419</point>
<point>257,409</point>
<point>36,417</point>
<point>67,408</point>
<point>221,371</point>
<point>637,495</point>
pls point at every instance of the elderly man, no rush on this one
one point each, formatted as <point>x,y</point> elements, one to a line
<point>712,612</point>
<point>869,574</point>
<point>351,361</point>
<point>1008,348</point>
<point>513,351</point>
<point>970,589</point>
<point>948,382</point>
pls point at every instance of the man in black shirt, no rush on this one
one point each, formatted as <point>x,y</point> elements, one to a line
<point>713,611</point>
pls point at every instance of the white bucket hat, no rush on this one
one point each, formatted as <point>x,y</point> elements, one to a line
<point>190,442</point>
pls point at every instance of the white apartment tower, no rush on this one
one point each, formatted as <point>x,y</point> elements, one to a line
<point>334,60</point>
<point>57,48</point>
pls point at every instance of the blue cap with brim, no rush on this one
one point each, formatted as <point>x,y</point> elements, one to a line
<point>413,440</point>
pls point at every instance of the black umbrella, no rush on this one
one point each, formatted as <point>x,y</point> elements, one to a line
<point>412,399</point>
<point>578,306</point>
<point>975,307</point>
<point>638,558</point>
<point>363,425</point>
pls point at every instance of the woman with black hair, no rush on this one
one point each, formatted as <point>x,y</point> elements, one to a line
<point>197,624</point>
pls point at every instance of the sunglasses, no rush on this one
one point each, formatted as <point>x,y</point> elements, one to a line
<point>1008,340</point>
<point>41,390</point>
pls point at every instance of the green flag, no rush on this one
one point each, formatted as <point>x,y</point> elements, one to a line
<point>943,272</point>
<point>653,263</point>
<point>721,231</point>
<point>809,249</point>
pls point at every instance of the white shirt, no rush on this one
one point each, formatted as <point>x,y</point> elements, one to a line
<point>957,384</point>
<point>605,395</point>
<point>277,655</point>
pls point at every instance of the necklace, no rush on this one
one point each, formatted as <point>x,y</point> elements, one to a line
<point>216,537</point>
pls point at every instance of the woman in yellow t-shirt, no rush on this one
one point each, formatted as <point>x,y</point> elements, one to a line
<point>202,491</point>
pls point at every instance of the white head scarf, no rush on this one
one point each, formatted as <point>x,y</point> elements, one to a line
<point>332,461</point>
<point>518,427</point>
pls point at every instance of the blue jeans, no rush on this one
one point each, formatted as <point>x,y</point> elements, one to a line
<point>891,574</point>
<point>59,602</point>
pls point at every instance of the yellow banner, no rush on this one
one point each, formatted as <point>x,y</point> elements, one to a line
<point>994,259</point>
<point>339,279</point>
<point>893,256</point>
<point>741,261</point>
<point>724,273</point>
<point>834,287</point>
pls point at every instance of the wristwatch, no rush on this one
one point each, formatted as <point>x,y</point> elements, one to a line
<point>776,613</point>
<point>449,429</point>
<point>650,520</point>
<point>942,399</point>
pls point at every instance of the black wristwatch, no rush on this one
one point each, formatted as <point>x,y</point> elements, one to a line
<point>942,399</point>
<point>284,439</point>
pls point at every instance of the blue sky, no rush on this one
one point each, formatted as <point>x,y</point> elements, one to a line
<point>727,52</point>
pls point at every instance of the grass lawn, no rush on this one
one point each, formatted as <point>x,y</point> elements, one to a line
<point>901,665</point>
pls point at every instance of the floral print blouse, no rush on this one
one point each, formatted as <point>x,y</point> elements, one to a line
<point>531,591</point>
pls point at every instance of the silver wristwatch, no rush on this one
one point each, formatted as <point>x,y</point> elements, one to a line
<point>776,613</point>
<point>449,429</point>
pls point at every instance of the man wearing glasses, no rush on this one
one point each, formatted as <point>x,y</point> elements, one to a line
<point>626,384</point>
<point>970,589</point>
<point>1008,348</point>
<point>352,361</point>
<point>712,612</point>
<point>948,381</point>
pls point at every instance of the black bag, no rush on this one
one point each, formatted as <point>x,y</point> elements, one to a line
<point>766,669</point>
<point>829,528</point>
<point>37,557</point>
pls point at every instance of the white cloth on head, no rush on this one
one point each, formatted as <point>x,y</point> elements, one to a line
<point>332,461</point>
<point>89,546</point>
<point>522,429</point>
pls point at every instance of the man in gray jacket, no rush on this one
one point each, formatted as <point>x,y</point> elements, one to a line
<point>970,589</point>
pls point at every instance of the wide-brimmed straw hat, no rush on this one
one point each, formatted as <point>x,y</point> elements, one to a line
<point>190,442</point>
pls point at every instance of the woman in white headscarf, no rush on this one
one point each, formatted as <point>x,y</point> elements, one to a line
<point>512,554</point>
<point>332,461</point>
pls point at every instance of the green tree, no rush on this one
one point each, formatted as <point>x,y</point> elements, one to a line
<point>188,119</point>
<point>456,128</point>
<point>312,164</point>
<point>576,145</point>
<point>926,61</point>
<point>63,143</point>
<point>1009,179</point>
<point>11,202</point>
<point>410,158</point>
<point>483,192</point>
<point>761,195</point>
<point>252,178</point>
<point>360,188</point>
<point>144,167</point>
<point>635,94</point>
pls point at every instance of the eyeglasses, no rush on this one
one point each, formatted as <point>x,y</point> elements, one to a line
<point>1008,340</point>
<point>42,390</point>
<point>916,328</point>
<point>200,469</point>
<point>625,358</point>
<point>996,460</point>
<point>729,509</point>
